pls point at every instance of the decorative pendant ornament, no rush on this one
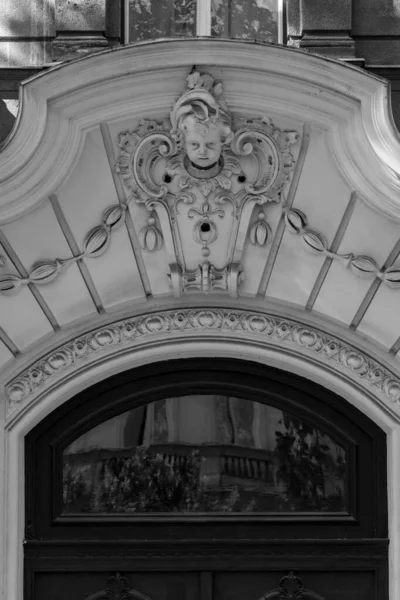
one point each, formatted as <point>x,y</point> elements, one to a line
<point>95,243</point>
<point>362,266</point>
<point>260,231</point>
<point>150,237</point>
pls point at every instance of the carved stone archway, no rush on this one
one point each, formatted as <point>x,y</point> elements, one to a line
<point>99,276</point>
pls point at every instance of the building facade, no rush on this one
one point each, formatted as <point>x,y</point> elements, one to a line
<point>199,280</point>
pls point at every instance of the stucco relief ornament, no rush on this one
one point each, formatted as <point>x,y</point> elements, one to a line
<point>202,156</point>
<point>202,127</point>
<point>274,331</point>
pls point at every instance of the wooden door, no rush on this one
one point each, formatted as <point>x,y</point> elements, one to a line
<point>292,481</point>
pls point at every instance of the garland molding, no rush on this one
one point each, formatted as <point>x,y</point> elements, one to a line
<point>253,326</point>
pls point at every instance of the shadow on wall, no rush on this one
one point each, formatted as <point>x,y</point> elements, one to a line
<point>8,113</point>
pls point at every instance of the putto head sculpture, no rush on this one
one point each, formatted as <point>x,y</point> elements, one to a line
<point>201,125</point>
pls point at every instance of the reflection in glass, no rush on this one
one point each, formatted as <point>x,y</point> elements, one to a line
<point>245,19</point>
<point>151,19</point>
<point>201,454</point>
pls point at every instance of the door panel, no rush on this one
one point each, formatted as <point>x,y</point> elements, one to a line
<point>334,585</point>
<point>154,586</point>
<point>340,585</point>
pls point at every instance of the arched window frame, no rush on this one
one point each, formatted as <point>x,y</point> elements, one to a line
<point>367,516</point>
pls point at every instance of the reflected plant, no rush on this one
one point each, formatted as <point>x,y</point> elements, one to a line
<point>151,19</point>
<point>246,19</point>
<point>146,483</point>
<point>75,486</point>
<point>305,465</point>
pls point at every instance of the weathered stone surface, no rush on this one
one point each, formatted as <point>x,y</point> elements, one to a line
<point>325,16</point>
<point>26,18</point>
<point>376,17</point>
<point>323,27</point>
<point>81,15</point>
<point>66,48</point>
<point>293,19</point>
<point>336,46</point>
<point>379,52</point>
<point>113,20</point>
<point>24,53</point>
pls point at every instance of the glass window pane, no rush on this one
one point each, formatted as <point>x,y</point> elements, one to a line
<point>245,19</point>
<point>151,19</point>
<point>204,454</point>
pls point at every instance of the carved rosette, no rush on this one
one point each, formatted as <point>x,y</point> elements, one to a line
<point>252,165</point>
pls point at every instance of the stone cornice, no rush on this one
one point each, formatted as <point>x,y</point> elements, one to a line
<point>168,326</point>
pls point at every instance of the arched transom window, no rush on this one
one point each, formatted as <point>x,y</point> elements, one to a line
<point>203,453</point>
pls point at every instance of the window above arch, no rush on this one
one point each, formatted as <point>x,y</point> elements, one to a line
<point>261,20</point>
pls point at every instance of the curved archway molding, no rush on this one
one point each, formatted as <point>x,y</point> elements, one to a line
<point>46,141</point>
<point>173,327</point>
<point>204,331</point>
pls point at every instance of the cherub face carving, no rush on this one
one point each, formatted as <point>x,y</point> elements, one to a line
<point>203,144</point>
<point>202,126</point>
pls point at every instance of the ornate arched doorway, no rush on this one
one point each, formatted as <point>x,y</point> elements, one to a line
<point>209,200</point>
<point>208,478</point>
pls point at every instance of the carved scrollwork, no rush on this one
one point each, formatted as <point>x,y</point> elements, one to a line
<point>117,588</point>
<point>270,147</point>
<point>206,278</point>
<point>140,150</point>
<point>364,267</point>
<point>291,587</point>
<point>192,158</point>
